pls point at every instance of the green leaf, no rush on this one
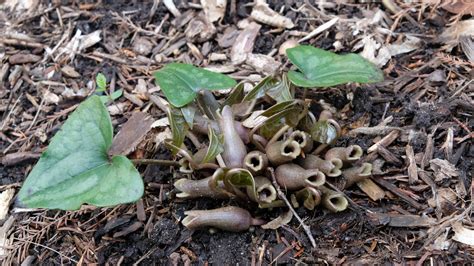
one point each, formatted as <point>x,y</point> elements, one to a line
<point>188,112</point>
<point>320,68</point>
<point>280,91</point>
<point>323,132</point>
<point>216,146</point>
<point>208,104</point>
<point>235,96</point>
<point>101,82</point>
<point>181,82</point>
<point>178,128</point>
<point>105,99</point>
<point>75,169</point>
<point>239,178</point>
<point>260,89</point>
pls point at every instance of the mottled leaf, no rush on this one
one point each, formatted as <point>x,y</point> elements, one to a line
<point>208,104</point>
<point>178,128</point>
<point>235,96</point>
<point>320,68</point>
<point>188,113</point>
<point>260,89</point>
<point>216,146</point>
<point>181,82</point>
<point>280,92</point>
<point>76,169</point>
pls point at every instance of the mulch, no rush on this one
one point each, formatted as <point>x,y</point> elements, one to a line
<point>416,127</point>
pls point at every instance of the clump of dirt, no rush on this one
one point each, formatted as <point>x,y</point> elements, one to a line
<point>222,248</point>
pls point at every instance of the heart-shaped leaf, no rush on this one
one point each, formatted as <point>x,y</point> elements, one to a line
<point>76,169</point>
<point>320,68</point>
<point>181,82</point>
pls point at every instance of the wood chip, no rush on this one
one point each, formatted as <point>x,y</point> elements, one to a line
<point>397,191</point>
<point>19,157</point>
<point>264,14</point>
<point>321,28</point>
<point>371,189</point>
<point>402,220</point>
<point>385,141</point>
<point>412,168</point>
<point>429,150</point>
<point>141,215</point>
<point>243,45</point>
<point>129,229</point>
<point>214,9</point>
<point>132,132</point>
<point>262,63</point>
<point>23,58</point>
<point>443,169</point>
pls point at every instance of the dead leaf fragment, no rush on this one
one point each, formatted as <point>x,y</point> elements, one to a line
<point>411,43</point>
<point>162,122</point>
<point>264,14</point>
<point>20,6</point>
<point>214,9</point>
<point>374,51</point>
<point>463,235</point>
<point>450,36</point>
<point>162,136</point>
<point>443,169</point>
<point>467,46</point>
<point>4,240</point>
<point>459,7</point>
<point>276,223</point>
<point>444,200</point>
<point>5,200</point>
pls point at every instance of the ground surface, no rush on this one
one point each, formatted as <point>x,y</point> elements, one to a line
<point>427,99</point>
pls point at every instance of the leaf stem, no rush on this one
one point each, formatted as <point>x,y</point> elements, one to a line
<point>156,162</point>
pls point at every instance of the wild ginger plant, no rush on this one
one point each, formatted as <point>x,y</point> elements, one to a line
<point>240,141</point>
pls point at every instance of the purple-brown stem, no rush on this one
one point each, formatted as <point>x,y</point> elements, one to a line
<point>292,176</point>
<point>234,147</point>
<point>230,218</point>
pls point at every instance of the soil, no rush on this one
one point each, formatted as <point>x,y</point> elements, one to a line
<point>96,235</point>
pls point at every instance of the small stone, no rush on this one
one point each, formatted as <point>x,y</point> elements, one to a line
<point>142,46</point>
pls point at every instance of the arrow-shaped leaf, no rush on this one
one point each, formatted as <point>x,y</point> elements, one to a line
<point>75,169</point>
<point>320,68</point>
<point>181,82</point>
